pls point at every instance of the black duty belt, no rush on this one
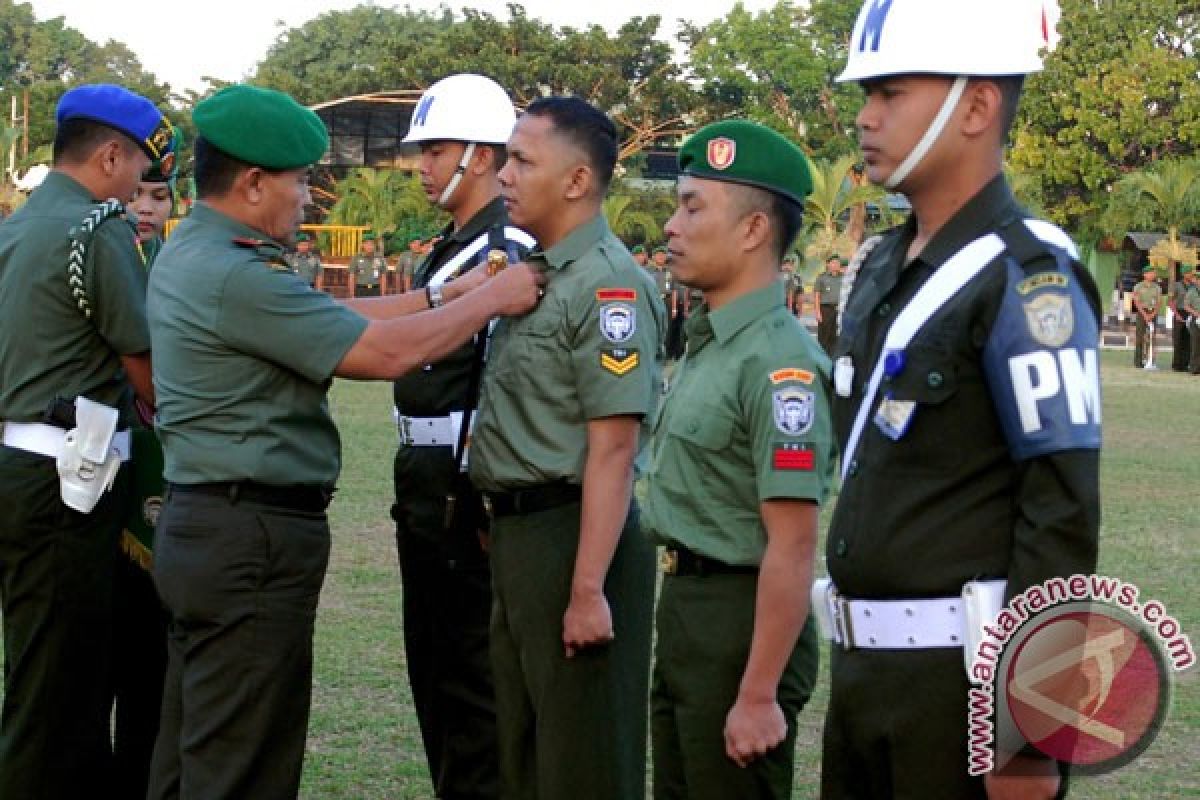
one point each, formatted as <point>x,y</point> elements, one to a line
<point>683,563</point>
<point>532,500</point>
<point>298,497</point>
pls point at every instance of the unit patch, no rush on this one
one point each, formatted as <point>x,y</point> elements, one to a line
<point>791,374</point>
<point>1043,280</point>
<point>1050,318</point>
<point>795,456</point>
<point>618,322</point>
<point>793,411</point>
<point>619,361</point>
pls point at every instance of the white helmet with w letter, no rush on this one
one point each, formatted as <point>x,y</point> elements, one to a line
<point>956,38</point>
<point>463,108</point>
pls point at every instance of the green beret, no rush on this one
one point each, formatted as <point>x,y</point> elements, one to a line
<point>790,257</point>
<point>660,249</point>
<point>740,151</point>
<point>1148,268</point>
<point>303,237</point>
<point>837,258</point>
<point>637,248</point>
<point>1185,269</point>
<point>262,127</point>
<point>368,237</point>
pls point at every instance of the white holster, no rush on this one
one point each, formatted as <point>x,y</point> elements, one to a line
<point>88,463</point>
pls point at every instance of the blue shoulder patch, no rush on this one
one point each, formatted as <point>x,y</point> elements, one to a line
<point>1042,363</point>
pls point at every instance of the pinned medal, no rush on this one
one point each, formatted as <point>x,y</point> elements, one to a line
<point>497,260</point>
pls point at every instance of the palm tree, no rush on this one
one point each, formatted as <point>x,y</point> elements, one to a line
<point>385,200</point>
<point>837,193</point>
<point>629,222</point>
<point>1165,195</point>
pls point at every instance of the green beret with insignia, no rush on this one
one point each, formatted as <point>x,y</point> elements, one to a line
<point>637,248</point>
<point>660,249</point>
<point>262,127</point>
<point>740,151</point>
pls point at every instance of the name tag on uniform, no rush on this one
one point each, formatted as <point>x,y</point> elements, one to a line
<point>894,417</point>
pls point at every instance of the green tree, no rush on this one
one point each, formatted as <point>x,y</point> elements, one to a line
<point>1118,93</point>
<point>778,67</point>
<point>389,202</point>
<point>835,211</point>
<point>1164,196</point>
<point>637,214</point>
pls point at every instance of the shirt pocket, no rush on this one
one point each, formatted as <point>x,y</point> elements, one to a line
<point>530,354</point>
<point>704,426</point>
<point>935,437</point>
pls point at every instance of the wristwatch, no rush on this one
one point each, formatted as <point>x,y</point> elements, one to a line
<point>434,295</point>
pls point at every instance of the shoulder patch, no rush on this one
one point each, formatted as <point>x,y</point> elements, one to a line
<point>1050,318</point>
<point>794,411</point>
<point>618,322</point>
<point>1041,281</point>
<point>619,361</point>
<point>611,295</point>
<point>792,374</point>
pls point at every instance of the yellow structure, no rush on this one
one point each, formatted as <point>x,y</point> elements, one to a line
<point>337,241</point>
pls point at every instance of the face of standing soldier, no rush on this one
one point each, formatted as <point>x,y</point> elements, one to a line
<point>278,199</point>
<point>151,204</point>
<point>718,240</point>
<point>439,164</point>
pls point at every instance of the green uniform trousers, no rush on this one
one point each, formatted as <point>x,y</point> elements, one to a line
<point>1141,349</point>
<point>447,611</point>
<point>1194,335</point>
<point>704,626</point>
<point>240,581</point>
<point>1181,345</point>
<point>570,729</point>
<point>827,327</point>
<point>56,586</point>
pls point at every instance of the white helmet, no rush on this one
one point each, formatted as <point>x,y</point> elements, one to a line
<point>463,108</point>
<point>949,37</point>
<point>957,38</point>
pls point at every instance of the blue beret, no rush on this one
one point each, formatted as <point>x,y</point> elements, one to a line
<point>119,108</point>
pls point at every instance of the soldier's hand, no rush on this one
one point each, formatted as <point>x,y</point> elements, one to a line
<point>587,622</point>
<point>473,279</point>
<point>752,729</point>
<point>517,289</point>
<point>1023,778</point>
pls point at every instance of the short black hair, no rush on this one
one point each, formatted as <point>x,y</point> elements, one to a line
<point>1010,87</point>
<point>785,215</point>
<point>586,126</point>
<point>215,170</point>
<point>77,138</point>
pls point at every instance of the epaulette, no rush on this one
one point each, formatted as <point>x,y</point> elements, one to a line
<point>267,251</point>
<point>80,239</point>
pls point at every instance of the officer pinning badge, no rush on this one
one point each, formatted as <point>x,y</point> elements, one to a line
<point>618,322</point>
<point>619,361</point>
<point>1050,318</point>
<point>722,151</point>
<point>793,411</point>
<point>793,456</point>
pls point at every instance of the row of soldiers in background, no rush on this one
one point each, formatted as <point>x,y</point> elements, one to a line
<point>680,299</point>
<point>369,271</point>
<point>1184,303</point>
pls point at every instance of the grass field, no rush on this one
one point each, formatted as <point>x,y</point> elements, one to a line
<point>363,739</point>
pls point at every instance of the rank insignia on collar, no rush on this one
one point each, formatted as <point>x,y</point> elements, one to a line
<point>1050,318</point>
<point>619,361</point>
<point>618,322</point>
<point>791,374</point>
<point>793,411</point>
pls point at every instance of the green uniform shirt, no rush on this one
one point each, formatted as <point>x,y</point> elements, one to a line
<point>1149,294</point>
<point>47,347</point>
<point>244,353</point>
<point>406,264</point>
<point>1192,298</point>
<point>306,265</point>
<point>589,350</point>
<point>367,270</point>
<point>746,420</point>
<point>828,288</point>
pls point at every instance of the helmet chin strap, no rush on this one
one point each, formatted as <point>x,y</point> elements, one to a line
<point>935,130</point>
<point>458,175</point>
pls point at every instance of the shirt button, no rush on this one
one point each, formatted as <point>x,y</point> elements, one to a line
<point>884,310</point>
<point>935,379</point>
<point>841,547</point>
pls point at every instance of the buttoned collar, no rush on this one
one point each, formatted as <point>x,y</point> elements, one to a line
<point>991,207</point>
<point>477,224</point>
<point>735,316</point>
<point>575,244</point>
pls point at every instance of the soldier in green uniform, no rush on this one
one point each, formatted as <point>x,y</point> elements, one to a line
<point>140,625</point>
<point>639,255</point>
<point>1191,307</point>
<point>1147,302</point>
<point>827,291</point>
<point>251,451</point>
<point>1181,343</point>
<point>72,325</point>
<point>305,262</point>
<point>367,269</point>
<point>406,263</point>
<point>793,284</point>
<point>741,457</point>
<point>567,394</point>
<point>466,122</point>
<point>969,442</point>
